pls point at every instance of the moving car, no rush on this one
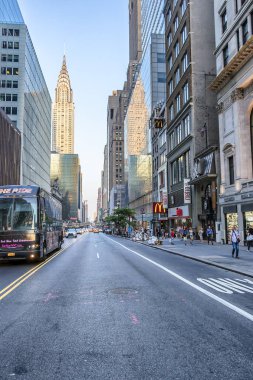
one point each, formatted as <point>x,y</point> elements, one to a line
<point>71,233</point>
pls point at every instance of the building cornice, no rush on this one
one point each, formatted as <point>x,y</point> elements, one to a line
<point>232,68</point>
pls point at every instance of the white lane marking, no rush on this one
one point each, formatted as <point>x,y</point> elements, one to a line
<point>226,283</point>
<point>97,255</point>
<point>206,292</point>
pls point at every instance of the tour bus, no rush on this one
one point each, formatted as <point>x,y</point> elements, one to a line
<point>30,223</point>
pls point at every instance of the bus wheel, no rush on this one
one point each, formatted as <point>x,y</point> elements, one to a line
<point>44,256</point>
<point>59,244</point>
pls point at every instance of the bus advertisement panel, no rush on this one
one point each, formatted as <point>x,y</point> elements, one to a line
<point>30,222</point>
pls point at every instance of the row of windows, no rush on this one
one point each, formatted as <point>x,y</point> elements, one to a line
<point>9,58</point>
<point>179,101</point>
<point>9,97</point>
<point>10,32</point>
<point>184,35</point>
<point>180,133</point>
<point>240,41</point>
<point>10,110</point>
<point>10,45</point>
<point>177,76</point>
<point>8,83</point>
<point>9,70</point>
<point>183,7</point>
<point>180,168</point>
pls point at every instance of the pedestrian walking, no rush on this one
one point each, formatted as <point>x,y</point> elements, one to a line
<point>235,240</point>
<point>249,238</point>
<point>209,234</point>
<point>191,235</point>
<point>185,234</point>
<point>172,237</point>
<point>201,232</point>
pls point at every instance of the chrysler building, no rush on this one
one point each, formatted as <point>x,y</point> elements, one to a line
<point>63,114</point>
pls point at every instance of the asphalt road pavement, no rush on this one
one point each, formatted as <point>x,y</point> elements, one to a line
<point>109,308</point>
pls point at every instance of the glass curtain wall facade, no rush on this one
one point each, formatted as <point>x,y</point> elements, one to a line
<point>9,158</point>
<point>151,84</point>
<point>66,171</point>
<point>24,96</point>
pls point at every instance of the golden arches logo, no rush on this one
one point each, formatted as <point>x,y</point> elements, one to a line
<point>158,208</point>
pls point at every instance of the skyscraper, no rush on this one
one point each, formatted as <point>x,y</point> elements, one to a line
<point>24,95</point>
<point>63,114</point>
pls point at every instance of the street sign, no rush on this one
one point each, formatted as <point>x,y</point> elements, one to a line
<point>142,210</point>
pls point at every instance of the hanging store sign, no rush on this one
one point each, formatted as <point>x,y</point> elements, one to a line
<point>187,191</point>
<point>159,122</point>
<point>165,199</point>
<point>178,212</point>
<point>158,208</point>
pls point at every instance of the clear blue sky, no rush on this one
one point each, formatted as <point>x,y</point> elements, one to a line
<point>95,36</point>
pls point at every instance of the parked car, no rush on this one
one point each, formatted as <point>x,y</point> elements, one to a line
<point>79,231</point>
<point>71,233</point>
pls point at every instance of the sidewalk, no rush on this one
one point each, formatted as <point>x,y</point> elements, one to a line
<point>217,255</point>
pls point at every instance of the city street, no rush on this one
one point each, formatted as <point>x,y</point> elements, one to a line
<point>108,308</point>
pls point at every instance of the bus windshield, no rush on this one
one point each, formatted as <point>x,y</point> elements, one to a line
<point>18,214</point>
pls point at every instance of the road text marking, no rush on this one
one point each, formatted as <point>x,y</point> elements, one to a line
<point>204,291</point>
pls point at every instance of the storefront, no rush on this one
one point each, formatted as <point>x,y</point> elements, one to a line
<point>231,220</point>
<point>179,218</point>
<point>247,211</point>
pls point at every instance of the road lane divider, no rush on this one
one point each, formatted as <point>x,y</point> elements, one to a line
<point>16,283</point>
<point>191,284</point>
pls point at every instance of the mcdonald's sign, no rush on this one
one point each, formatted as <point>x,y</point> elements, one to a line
<point>159,122</point>
<point>158,208</point>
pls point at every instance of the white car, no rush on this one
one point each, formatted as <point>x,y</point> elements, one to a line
<point>71,233</point>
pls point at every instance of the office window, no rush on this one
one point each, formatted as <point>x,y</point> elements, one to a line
<point>176,23</point>
<point>177,75</point>
<point>10,32</point>
<point>2,97</point>
<point>170,86</point>
<point>15,71</point>
<point>238,40</point>
<point>179,134</point>
<point>174,169</point>
<point>178,105</point>
<point>15,84</point>
<point>9,57</point>
<point>171,111</point>
<point>4,44</point>
<point>15,58</point>
<point>14,97</point>
<point>169,15</point>
<point>16,32</point>
<point>231,170</point>
<point>4,32</point>
<point>236,6</point>
<point>187,164</point>
<point>186,93</point>
<point>2,83</point>
<point>225,56</point>
<point>3,57</point>
<point>161,77</point>
<point>183,7</point>
<point>14,111</point>
<point>8,110</point>
<point>224,21</point>
<point>176,49</point>
<point>172,140</point>
<point>186,126</point>
<point>3,70</point>
<point>184,34</point>
<point>160,58</point>
<point>10,45</point>
<point>170,62</point>
<point>8,97</point>
<point>169,38</point>
<point>245,32</point>
<point>16,45</point>
<point>184,62</point>
<point>8,83</point>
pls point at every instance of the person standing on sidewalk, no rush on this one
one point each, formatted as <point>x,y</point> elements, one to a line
<point>235,240</point>
<point>191,235</point>
<point>201,235</point>
<point>209,234</point>
<point>249,238</point>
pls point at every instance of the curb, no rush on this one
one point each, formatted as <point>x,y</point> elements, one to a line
<point>199,260</point>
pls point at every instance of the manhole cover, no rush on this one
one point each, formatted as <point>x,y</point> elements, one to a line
<point>123,291</point>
